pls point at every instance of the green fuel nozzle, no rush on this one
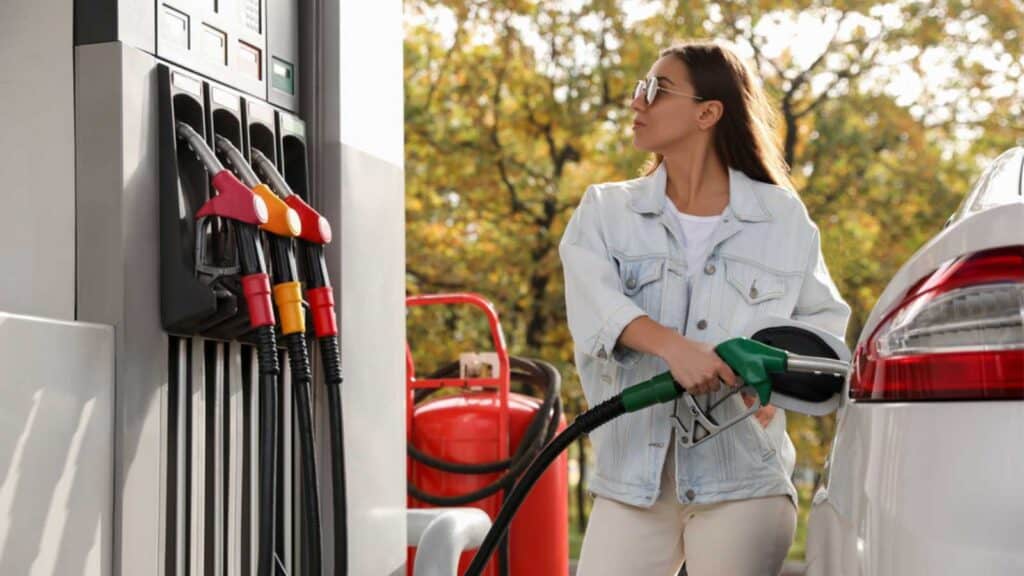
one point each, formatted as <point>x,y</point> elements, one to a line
<point>751,360</point>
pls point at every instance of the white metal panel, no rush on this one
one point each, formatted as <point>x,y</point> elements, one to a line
<point>923,489</point>
<point>56,447</point>
<point>236,464</point>
<point>176,480</point>
<point>117,169</point>
<point>197,446</point>
<point>358,180</point>
<point>37,158</point>
<point>371,92</point>
<point>218,460</point>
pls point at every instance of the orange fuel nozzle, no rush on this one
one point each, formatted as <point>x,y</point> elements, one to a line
<point>282,220</point>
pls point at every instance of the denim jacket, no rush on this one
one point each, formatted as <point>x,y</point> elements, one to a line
<point>623,257</point>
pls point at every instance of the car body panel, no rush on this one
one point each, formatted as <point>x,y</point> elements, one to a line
<point>930,487</point>
<point>922,489</point>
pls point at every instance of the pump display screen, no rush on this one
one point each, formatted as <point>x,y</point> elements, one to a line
<point>282,76</point>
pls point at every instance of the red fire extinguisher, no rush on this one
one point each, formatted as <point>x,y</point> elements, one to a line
<point>468,449</point>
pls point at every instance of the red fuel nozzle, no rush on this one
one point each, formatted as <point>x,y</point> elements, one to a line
<point>315,228</point>
<point>233,200</point>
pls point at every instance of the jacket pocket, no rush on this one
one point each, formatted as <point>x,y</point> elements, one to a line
<point>642,281</point>
<point>750,290</point>
<point>766,448</point>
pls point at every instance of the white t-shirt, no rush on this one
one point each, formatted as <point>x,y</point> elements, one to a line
<point>697,230</point>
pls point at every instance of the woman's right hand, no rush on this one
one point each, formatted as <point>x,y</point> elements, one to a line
<point>696,366</point>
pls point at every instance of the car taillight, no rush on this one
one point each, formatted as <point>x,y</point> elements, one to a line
<point>957,335</point>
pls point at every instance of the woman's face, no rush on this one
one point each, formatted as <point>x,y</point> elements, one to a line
<point>673,117</point>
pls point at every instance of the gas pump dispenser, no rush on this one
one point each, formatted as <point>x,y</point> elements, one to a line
<point>188,423</point>
<point>203,137</point>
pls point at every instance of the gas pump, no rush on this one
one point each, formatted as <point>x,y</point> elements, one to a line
<point>128,230</point>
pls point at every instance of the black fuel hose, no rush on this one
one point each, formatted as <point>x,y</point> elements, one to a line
<point>331,356</point>
<point>662,388</point>
<point>250,254</point>
<point>302,378</point>
<point>541,430</point>
<point>584,424</point>
<point>268,370</point>
<point>317,276</point>
<point>284,271</point>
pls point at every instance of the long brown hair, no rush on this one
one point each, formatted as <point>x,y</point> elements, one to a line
<point>745,137</point>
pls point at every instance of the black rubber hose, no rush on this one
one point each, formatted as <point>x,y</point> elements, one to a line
<point>333,378</point>
<point>507,480</point>
<point>250,250</point>
<point>521,367</point>
<point>546,419</point>
<point>298,359</point>
<point>283,258</point>
<point>268,370</point>
<point>314,264</point>
<point>541,371</point>
<point>584,423</point>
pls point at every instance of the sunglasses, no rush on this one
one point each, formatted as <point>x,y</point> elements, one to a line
<point>648,88</point>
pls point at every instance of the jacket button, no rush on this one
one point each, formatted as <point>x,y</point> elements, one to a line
<point>709,269</point>
<point>602,354</point>
<point>690,494</point>
<point>702,324</point>
<point>631,283</point>
<point>753,291</point>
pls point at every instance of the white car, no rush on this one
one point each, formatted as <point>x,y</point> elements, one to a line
<point>926,474</point>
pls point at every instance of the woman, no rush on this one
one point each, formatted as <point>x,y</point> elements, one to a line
<point>657,271</point>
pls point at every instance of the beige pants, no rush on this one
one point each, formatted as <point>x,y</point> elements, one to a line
<point>739,538</point>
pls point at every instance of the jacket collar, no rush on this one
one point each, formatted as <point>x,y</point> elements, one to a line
<point>648,196</point>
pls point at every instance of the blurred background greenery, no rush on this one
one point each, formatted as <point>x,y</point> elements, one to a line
<point>888,111</point>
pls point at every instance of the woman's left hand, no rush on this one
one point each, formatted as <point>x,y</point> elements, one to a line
<point>764,415</point>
